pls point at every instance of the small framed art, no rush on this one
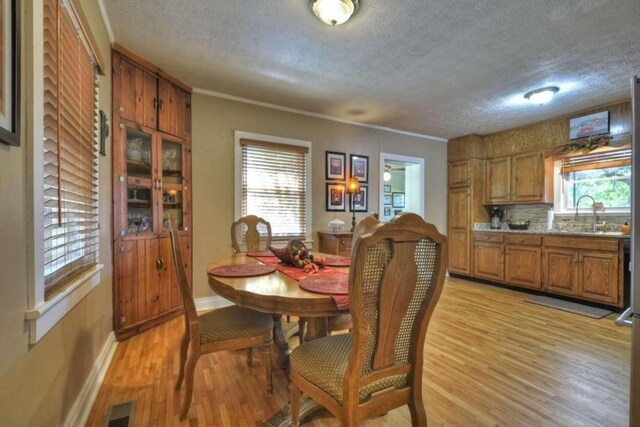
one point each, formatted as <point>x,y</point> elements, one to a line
<point>336,197</point>
<point>397,200</point>
<point>360,167</point>
<point>387,211</point>
<point>387,188</point>
<point>335,166</point>
<point>361,200</point>
<point>387,199</point>
<point>397,211</point>
<point>10,72</point>
<point>593,124</point>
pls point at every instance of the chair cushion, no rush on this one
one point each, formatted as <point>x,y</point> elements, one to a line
<point>323,362</point>
<point>234,322</point>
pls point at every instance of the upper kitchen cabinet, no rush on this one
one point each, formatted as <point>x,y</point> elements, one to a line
<point>520,178</point>
<point>172,109</point>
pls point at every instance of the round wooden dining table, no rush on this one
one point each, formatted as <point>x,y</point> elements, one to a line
<point>277,294</point>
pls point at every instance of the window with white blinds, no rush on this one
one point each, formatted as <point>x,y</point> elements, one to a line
<point>70,149</point>
<point>274,186</point>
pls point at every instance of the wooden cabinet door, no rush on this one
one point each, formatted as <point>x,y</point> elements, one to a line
<point>460,174</point>
<point>135,93</point>
<point>523,265</point>
<point>127,289</point>
<point>489,261</point>
<point>598,276</point>
<point>459,209</point>
<point>527,174</point>
<point>173,109</point>
<point>497,180</point>
<point>153,270</point>
<point>459,248</point>
<point>561,271</point>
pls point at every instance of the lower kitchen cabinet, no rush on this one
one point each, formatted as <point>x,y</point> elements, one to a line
<point>489,260</point>
<point>598,276</point>
<point>561,271</point>
<point>523,265</point>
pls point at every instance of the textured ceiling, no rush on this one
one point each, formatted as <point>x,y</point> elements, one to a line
<point>435,67</point>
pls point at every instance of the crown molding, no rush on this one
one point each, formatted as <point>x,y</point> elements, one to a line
<point>316,115</point>
<point>107,23</point>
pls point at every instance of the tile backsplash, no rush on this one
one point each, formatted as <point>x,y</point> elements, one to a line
<point>537,214</point>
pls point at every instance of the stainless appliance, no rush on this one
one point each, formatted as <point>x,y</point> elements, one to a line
<point>631,316</point>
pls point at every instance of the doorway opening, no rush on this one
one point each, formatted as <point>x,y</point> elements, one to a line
<point>401,185</point>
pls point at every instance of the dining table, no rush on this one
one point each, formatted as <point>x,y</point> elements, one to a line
<point>280,295</point>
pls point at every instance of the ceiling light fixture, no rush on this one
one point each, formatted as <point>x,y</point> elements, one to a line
<point>386,176</point>
<point>542,95</point>
<point>334,12</point>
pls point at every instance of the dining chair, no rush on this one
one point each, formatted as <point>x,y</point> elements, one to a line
<point>252,231</point>
<point>228,328</point>
<point>396,277</point>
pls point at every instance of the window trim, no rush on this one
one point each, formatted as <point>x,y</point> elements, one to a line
<point>42,315</point>
<point>237,193</point>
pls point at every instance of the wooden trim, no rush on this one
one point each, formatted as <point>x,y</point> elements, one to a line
<point>150,67</point>
<point>274,145</point>
<point>88,34</point>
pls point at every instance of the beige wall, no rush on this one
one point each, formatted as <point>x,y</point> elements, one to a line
<point>39,384</point>
<point>214,123</point>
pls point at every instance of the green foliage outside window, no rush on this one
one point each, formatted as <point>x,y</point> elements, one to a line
<point>611,186</point>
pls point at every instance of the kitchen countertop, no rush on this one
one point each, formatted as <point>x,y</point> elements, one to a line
<point>614,234</point>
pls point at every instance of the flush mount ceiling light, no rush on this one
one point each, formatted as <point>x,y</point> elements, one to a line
<point>542,95</point>
<point>334,12</point>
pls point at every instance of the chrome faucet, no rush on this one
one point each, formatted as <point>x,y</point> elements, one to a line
<point>593,208</point>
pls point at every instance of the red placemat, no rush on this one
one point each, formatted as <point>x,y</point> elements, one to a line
<point>242,270</point>
<point>338,261</point>
<point>260,253</point>
<point>330,284</point>
<point>342,301</point>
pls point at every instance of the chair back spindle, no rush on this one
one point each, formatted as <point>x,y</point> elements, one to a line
<point>251,231</point>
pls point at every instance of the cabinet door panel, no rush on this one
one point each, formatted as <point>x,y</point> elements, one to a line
<point>528,177</point>
<point>172,115</point>
<point>599,276</point>
<point>136,93</point>
<point>459,251</point>
<point>152,271</point>
<point>127,284</point>
<point>459,208</point>
<point>146,99</point>
<point>125,89</point>
<point>497,180</point>
<point>459,174</point>
<point>166,282</point>
<point>523,266</point>
<point>489,261</point>
<point>561,271</point>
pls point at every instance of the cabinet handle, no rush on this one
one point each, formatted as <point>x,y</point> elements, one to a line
<point>159,264</point>
<point>155,103</point>
<point>161,104</point>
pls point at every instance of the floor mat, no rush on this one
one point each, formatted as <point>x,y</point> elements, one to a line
<point>584,310</point>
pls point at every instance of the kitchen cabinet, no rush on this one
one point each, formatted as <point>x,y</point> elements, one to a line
<point>459,230</point>
<point>598,276</point>
<point>460,174</point>
<point>523,265</point>
<point>335,243</point>
<point>151,183</point>
<point>520,178</point>
<point>561,271</point>
<point>488,249</point>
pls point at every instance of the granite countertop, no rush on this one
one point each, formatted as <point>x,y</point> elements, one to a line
<point>616,234</point>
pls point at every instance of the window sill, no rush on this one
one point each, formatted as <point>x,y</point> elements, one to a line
<point>44,317</point>
<point>589,213</point>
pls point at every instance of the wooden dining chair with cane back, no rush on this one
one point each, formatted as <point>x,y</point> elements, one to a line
<point>228,328</point>
<point>253,232</point>
<point>396,277</point>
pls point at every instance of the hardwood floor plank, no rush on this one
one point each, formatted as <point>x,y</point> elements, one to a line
<point>490,359</point>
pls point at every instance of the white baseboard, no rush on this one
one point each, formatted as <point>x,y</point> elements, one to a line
<point>81,408</point>
<point>209,303</point>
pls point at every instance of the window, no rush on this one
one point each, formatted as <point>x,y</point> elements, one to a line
<point>274,183</point>
<point>70,151</point>
<point>605,176</point>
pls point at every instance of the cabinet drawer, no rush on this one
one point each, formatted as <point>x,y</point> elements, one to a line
<point>598,244</point>
<point>488,237</point>
<point>344,243</point>
<point>523,239</point>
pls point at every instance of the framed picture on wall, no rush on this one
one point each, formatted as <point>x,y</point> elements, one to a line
<point>397,211</point>
<point>336,197</point>
<point>360,167</point>
<point>360,200</point>
<point>387,211</point>
<point>593,124</point>
<point>387,199</point>
<point>10,72</point>
<point>397,200</point>
<point>387,188</point>
<point>335,166</point>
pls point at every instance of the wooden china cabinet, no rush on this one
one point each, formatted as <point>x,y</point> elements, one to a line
<point>151,181</point>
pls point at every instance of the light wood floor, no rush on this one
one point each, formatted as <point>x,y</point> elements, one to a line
<point>490,359</point>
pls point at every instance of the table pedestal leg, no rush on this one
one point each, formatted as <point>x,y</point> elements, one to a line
<point>282,418</point>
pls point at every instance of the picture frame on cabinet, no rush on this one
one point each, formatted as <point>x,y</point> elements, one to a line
<point>387,211</point>
<point>397,200</point>
<point>335,164</point>
<point>359,167</point>
<point>360,200</point>
<point>387,199</point>
<point>10,72</point>
<point>593,124</point>
<point>397,211</point>
<point>336,197</point>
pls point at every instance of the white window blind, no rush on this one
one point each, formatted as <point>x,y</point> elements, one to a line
<point>70,149</point>
<point>274,186</point>
<point>602,160</point>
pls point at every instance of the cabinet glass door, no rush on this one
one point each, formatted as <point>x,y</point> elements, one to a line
<point>140,182</point>
<point>172,186</point>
